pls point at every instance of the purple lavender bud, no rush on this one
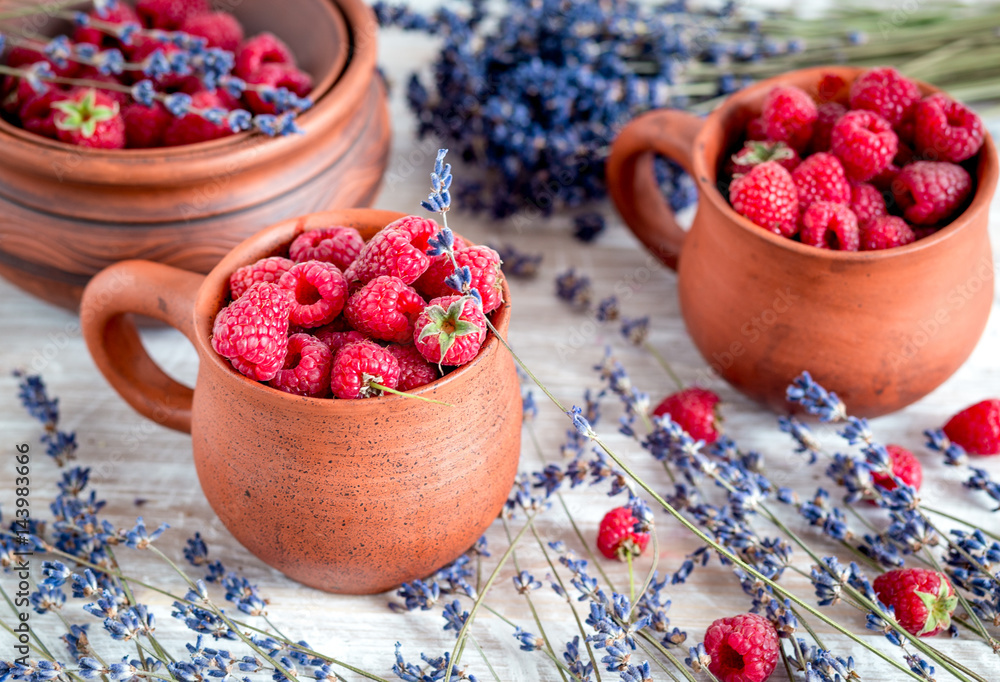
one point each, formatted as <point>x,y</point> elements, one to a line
<point>233,85</point>
<point>239,120</point>
<point>156,65</point>
<point>126,32</point>
<point>35,74</point>
<point>178,103</point>
<point>215,115</point>
<point>110,62</point>
<point>143,92</point>
<point>59,50</point>
<point>85,51</point>
<point>81,19</point>
<point>104,6</point>
<point>266,123</point>
<point>288,125</point>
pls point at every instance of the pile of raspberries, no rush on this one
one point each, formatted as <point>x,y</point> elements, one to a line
<point>107,119</point>
<point>867,165</point>
<point>342,317</point>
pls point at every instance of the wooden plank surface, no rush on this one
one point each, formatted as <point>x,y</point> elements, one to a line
<point>135,461</point>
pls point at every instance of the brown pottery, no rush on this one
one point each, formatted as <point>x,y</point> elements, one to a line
<point>66,213</point>
<point>881,328</point>
<point>352,496</point>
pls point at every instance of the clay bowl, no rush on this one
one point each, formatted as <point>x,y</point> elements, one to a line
<point>65,213</point>
<point>881,328</point>
<point>351,496</point>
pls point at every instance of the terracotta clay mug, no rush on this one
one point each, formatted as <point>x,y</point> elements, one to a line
<point>881,328</point>
<point>352,496</point>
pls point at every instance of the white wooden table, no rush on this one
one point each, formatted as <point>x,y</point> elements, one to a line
<point>134,461</point>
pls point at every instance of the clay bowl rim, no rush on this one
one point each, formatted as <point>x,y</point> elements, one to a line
<point>214,291</point>
<point>706,175</point>
<point>356,26</point>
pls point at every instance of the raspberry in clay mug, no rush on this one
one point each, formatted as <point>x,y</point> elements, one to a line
<point>881,328</point>
<point>351,496</point>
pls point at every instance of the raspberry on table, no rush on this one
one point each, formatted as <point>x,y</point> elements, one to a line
<point>306,370</point>
<point>90,118</point>
<point>923,600</point>
<point>830,226</point>
<point>867,202</point>
<point>695,410</point>
<point>450,330</point>
<point>827,114</point>
<point>905,466</point>
<point>767,197</point>
<point>265,270</point>
<point>399,250</point>
<point>789,116</point>
<point>946,130</point>
<point>930,192</point>
<point>357,366</point>
<point>263,48</point>
<point>484,265</point>
<point>191,128</point>
<point>743,648</point>
<point>335,244</point>
<point>337,339</point>
<point>886,92</point>
<point>821,177</point>
<point>385,308</point>
<point>886,232</point>
<point>286,76</point>
<point>219,29</point>
<point>977,428</point>
<point>169,14</point>
<point>252,331</point>
<point>414,370</point>
<point>864,142</point>
<point>617,537</point>
<point>319,292</point>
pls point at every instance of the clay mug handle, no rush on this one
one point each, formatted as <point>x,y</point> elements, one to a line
<point>159,291</point>
<point>632,182</point>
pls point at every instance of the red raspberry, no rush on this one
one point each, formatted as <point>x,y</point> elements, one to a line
<point>219,29</point>
<point>884,180</point>
<point>19,57</point>
<point>923,600</point>
<point>37,114</point>
<point>832,89</point>
<point>617,537</point>
<point>753,153</point>
<point>191,128</point>
<point>169,14</point>
<point>121,14</point>
<point>450,330</point>
<point>399,249</point>
<point>977,428</point>
<point>335,244</point>
<point>820,177</point>
<point>946,130</point>
<point>414,370</point>
<point>145,126</point>
<point>484,264</point>
<point>886,92</point>
<point>830,226</point>
<point>789,116</point>
<point>886,232</point>
<point>767,197</point>
<point>385,308</point>
<point>265,270</point>
<point>864,143</point>
<point>335,340</point>
<point>921,232</point>
<point>867,202</point>
<point>306,370</point>
<point>276,76</point>
<point>905,466</point>
<point>357,366</point>
<point>89,118</point>
<point>743,648</point>
<point>263,48</point>
<point>930,192</point>
<point>695,410</point>
<point>319,292</point>
<point>143,48</point>
<point>827,115</point>
<point>90,73</point>
<point>252,331</point>
<point>756,129</point>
